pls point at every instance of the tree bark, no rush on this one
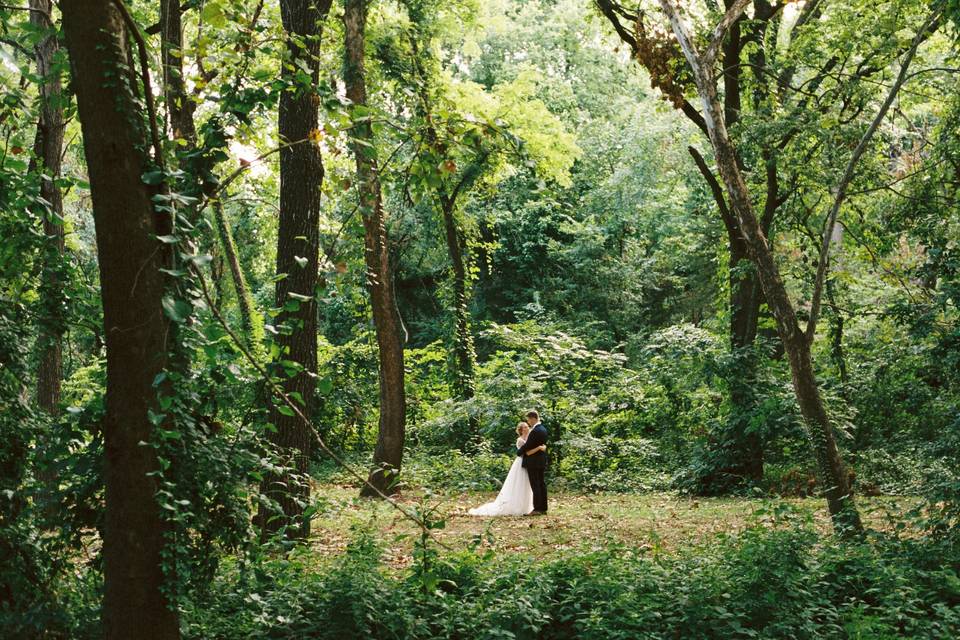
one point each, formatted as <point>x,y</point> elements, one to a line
<point>136,329</point>
<point>833,476</point>
<point>740,447</point>
<point>298,250</point>
<point>179,106</point>
<point>48,148</point>
<point>388,455</point>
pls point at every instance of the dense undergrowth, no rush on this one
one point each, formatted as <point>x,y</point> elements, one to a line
<point>774,581</point>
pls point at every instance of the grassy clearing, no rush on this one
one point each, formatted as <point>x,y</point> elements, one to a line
<point>654,521</point>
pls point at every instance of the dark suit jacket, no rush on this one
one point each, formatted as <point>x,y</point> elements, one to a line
<point>537,437</point>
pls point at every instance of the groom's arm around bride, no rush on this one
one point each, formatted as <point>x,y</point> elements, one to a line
<point>535,440</point>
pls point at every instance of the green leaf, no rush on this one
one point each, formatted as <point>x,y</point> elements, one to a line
<point>213,14</point>
<point>152,177</point>
<point>285,410</point>
<point>325,385</point>
<point>176,310</point>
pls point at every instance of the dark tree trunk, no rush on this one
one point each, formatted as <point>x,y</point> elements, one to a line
<point>48,147</point>
<point>298,248</point>
<point>740,448</point>
<point>388,455</point>
<point>137,331</point>
<point>836,337</point>
<point>179,107</point>
<point>745,300</point>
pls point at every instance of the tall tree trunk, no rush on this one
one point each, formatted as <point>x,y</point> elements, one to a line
<point>462,364</point>
<point>463,350</point>
<point>745,299</point>
<point>251,321</point>
<point>137,331</point>
<point>298,249</point>
<point>179,107</point>
<point>388,455</point>
<point>48,147</point>
<point>833,476</point>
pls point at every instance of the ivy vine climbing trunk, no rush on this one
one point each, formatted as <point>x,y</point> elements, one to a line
<point>251,322</point>
<point>180,115</point>
<point>388,454</point>
<point>447,198</point>
<point>136,329</point>
<point>48,148</point>
<point>463,350</point>
<point>298,250</point>
<point>179,106</point>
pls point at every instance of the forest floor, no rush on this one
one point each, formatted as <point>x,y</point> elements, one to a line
<point>653,521</point>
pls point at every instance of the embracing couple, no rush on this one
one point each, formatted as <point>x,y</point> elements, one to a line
<point>524,492</point>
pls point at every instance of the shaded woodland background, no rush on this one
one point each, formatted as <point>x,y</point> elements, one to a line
<point>260,259</point>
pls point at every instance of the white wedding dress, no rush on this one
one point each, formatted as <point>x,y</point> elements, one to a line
<point>515,497</point>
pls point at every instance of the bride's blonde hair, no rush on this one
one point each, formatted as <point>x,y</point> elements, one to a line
<point>520,426</point>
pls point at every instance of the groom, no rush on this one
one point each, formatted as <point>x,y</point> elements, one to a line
<point>535,462</point>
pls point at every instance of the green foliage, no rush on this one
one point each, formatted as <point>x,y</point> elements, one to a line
<point>769,581</point>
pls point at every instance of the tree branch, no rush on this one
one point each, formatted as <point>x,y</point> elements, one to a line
<point>653,53</point>
<point>720,31</point>
<point>728,220</point>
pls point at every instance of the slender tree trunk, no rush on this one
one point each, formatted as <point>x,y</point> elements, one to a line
<point>463,351</point>
<point>179,107</point>
<point>298,249</point>
<point>180,111</point>
<point>745,300</point>
<point>48,147</point>
<point>388,455</point>
<point>833,476</point>
<point>137,331</point>
<point>252,324</point>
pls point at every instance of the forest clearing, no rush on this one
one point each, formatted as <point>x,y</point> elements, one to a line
<point>463,319</point>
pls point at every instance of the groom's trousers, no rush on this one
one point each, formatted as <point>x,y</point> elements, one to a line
<point>539,486</point>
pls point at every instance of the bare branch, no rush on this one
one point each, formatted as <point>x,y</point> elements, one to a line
<point>840,193</point>
<point>728,219</point>
<point>720,31</point>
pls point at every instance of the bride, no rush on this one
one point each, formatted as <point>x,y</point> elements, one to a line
<point>516,496</point>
